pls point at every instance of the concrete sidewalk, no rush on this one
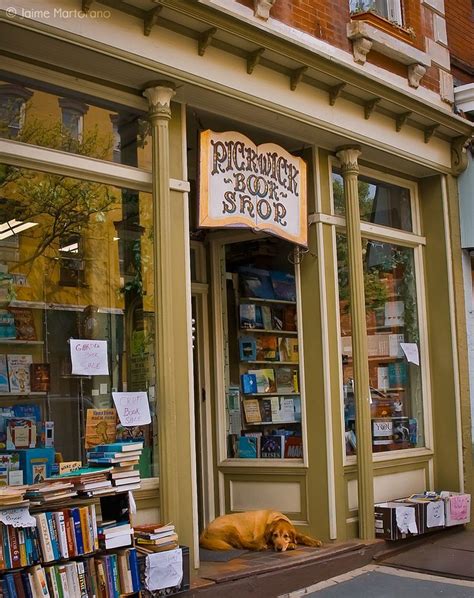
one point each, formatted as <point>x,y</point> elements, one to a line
<point>375,581</point>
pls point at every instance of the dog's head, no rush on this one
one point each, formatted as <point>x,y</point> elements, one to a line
<point>280,534</point>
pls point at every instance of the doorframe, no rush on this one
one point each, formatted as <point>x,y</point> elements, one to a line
<point>200,292</point>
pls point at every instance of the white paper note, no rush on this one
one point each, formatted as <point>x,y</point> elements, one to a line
<point>132,503</point>
<point>89,357</point>
<point>17,517</point>
<point>164,570</point>
<point>411,352</point>
<point>435,514</point>
<point>406,521</point>
<point>133,408</point>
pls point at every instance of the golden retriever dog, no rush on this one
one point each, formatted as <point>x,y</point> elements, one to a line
<point>254,530</point>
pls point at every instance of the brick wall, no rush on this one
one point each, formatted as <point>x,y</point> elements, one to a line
<point>327,20</point>
<point>460,26</point>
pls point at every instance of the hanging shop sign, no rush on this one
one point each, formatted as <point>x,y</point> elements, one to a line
<point>258,186</point>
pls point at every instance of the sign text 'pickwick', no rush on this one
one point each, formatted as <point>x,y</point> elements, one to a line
<point>262,187</point>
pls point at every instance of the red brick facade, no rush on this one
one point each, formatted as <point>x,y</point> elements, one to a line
<point>460,24</point>
<point>327,20</point>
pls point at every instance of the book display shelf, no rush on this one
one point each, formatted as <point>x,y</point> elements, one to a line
<point>79,547</point>
<point>395,381</point>
<point>263,405</point>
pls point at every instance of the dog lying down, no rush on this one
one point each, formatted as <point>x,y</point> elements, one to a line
<point>254,530</point>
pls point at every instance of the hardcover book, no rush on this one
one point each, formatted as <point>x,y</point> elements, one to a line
<point>248,447</point>
<point>40,379</point>
<point>267,348</point>
<point>24,323</point>
<point>265,380</point>
<point>21,433</point>
<point>100,427</point>
<point>247,349</point>
<point>272,447</point>
<point>19,373</point>
<point>252,411</point>
<point>256,283</point>
<point>294,447</point>
<point>287,380</point>
<point>284,286</point>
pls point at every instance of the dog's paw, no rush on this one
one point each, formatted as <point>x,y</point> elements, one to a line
<point>291,546</point>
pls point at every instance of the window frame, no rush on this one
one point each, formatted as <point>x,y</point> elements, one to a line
<point>16,93</point>
<point>417,242</point>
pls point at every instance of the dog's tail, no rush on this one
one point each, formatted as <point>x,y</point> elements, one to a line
<point>307,540</point>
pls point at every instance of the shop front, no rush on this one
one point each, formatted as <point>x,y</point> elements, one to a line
<point>273,262</point>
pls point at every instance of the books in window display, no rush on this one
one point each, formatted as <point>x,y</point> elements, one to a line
<point>293,447</point>
<point>272,447</point>
<point>265,380</point>
<point>19,373</point>
<point>256,283</point>
<point>288,349</point>
<point>267,348</point>
<point>287,380</point>
<point>284,286</point>
<point>250,316</point>
<point>7,325</point>
<point>24,323</point>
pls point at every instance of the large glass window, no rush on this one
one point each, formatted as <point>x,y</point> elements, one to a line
<point>390,9</point>
<point>74,124</point>
<point>393,342</point>
<point>76,261</point>
<point>262,361</point>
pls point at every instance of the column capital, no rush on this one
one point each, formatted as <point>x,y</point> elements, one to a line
<point>159,95</point>
<point>348,156</point>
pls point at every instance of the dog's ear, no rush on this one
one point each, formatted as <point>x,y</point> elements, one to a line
<point>268,533</point>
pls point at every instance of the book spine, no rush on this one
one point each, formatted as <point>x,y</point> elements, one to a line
<point>88,577</point>
<point>26,584</point>
<point>134,571</point>
<point>57,577</point>
<point>44,537</point>
<point>115,575</point>
<point>93,520</point>
<point>39,582</point>
<point>75,580</point>
<point>22,544</point>
<point>109,577</point>
<point>61,529</point>
<point>63,577</point>
<point>101,578</point>
<point>85,529</point>
<point>6,548</point>
<point>32,584</point>
<point>14,547</point>
<point>18,581</point>
<point>51,581</point>
<point>11,585</point>
<point>69,524</point>
<point>2,554</point>
<point>53,535</point>
<point>94,590</point>
<point>77,531</point>
<point>81,575</point>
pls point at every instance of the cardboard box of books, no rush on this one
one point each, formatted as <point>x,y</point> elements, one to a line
<point>398,520</point>
<point>457,508</point>
<point>432,516</point>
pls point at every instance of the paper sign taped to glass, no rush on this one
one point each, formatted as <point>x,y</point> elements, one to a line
<point>262,187</point>
<point>164,570</point>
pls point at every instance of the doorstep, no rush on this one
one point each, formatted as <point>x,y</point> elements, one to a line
<point>270,573</point>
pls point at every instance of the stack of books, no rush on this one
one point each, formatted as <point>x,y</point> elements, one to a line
<point>155,538</point>
<point>114,534</point>
<point>50,490</point>
<point>122,457</point>
<point>111,575</point>
<point>13,496</point>
<point>90,481</point>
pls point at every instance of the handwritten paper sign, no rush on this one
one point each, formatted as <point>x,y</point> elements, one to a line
<point>459,507</point>
<point>435,514</point>
<point>17,517</point>
<point>132,408</point>
<point>259,186</point>
<point>89,357</point>
<point>69,466</point>
<point>164,570</point>
<point>411,352</point>
<point>406,521</point>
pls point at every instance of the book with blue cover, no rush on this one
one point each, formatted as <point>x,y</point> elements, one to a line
<point>272,447</point>
<point>74,512</point>
<point>134,570</point>
<point>284,286</point>
<point>249,383</point>
<point>255,282</point>
<point>248,447</point>
<point>117,447</point>
<point>247,348</point>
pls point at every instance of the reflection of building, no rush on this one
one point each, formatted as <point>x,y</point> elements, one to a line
<point>218,66</point>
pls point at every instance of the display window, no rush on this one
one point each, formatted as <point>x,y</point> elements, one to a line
<point>76,262</point>
<point>70,122</point>
<point>263,383</point>
<point>394,337</point>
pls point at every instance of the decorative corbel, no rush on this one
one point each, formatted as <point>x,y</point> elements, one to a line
<point>151,19</point>
<point>415,73</point>
<point>361,46</point>
<point>369,107</point>
<point>429,132</point>
<point>335,92</point>
<point>459,159</point>
<point>86,5</point>
<point>401,120</point>
<point>296,77</point>
<point>205,40</point>
<point>262,8</point>
<point>253,58</point>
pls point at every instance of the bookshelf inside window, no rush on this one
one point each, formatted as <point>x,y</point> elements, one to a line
<point>262,373</point>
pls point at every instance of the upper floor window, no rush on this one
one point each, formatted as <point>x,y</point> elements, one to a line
<point>390,9</point>
<point>72,116</point>
<point>13,100</point>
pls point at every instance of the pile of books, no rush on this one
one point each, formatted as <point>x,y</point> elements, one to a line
<point>50,490</point>
<point>110,575</point>
<point>155,538</point>
<point>122,458</point>
<point>13,496</point>
<point>114,534</point>
<point>90,481</point>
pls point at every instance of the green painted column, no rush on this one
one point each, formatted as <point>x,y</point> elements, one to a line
<point>168,278</point>
<point>348,157</point>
